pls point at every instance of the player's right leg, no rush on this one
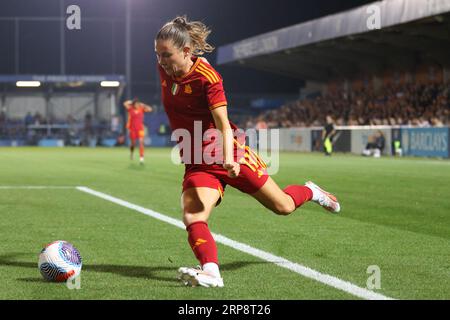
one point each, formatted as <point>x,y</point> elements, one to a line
<point>197,205</point>
<point>253,179</point>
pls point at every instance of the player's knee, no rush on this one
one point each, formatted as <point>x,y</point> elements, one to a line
<point>193,211</point>
<point>192,206</point>
<point>190,218</point>
<point>284,209</point>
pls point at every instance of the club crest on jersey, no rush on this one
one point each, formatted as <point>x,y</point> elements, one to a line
<point>187,89</point>
<point>175,89</point>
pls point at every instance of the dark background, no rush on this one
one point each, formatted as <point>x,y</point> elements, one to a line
<point>98,48</point>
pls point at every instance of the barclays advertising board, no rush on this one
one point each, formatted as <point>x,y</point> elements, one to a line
<point>425,142</point>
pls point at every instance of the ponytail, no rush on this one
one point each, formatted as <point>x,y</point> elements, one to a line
<point>184,33</point>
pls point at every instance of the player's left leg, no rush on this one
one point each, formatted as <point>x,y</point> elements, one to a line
<point>141,150</point>
<point>197,205</point>
<point>280,202</point>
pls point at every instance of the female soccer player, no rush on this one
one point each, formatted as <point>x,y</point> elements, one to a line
<point>194,100</point>
<point>135,125</point>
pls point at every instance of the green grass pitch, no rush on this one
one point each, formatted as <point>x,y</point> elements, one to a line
<point>395,215</point>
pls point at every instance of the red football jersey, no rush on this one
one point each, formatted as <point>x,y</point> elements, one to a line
<point>135,118</point>
<point>188,102</point>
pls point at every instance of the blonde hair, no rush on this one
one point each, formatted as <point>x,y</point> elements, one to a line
<point>183,33</point>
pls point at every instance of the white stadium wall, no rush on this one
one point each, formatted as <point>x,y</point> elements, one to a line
<point>60,105</point>
<point>295,139</point>
<point>359,138</point>
<point>76,105</point>
<point>17,106</point>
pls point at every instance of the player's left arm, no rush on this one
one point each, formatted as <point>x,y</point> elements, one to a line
<point>217,104</point>
<point>146,107</point>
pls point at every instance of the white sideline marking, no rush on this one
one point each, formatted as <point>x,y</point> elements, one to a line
<point>284,263</point>
<point>37,187</point>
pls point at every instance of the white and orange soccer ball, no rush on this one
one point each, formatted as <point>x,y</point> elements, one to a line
<point>59,261</point>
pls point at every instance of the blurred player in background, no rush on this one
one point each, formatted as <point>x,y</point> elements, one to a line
<point>193,95</point>
<point>328,133</point>
<point>135,125</point>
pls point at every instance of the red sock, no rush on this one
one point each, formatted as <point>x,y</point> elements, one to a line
<point>300,194</point>
<point>202,242</point>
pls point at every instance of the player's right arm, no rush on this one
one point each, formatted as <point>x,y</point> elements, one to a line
<point>127,104</point>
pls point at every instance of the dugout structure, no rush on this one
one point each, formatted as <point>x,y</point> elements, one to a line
<point>58,110</point>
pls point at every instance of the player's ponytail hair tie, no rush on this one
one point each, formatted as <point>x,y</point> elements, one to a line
<point>181,21</point>
<point>186,33</point>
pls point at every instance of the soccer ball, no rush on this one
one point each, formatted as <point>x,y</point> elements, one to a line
<point>59,261</point>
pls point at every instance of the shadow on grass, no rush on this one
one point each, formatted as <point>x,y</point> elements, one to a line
<point>136,166</point>
<point>144,272</point>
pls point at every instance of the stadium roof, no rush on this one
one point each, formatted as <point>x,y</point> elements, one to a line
<point>344,44</point>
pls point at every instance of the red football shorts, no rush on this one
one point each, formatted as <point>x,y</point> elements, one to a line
<point>136,134</point>
<point>252,176</point>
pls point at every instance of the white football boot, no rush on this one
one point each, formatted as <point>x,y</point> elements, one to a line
<point>196,276</point>
<point>325,199</point>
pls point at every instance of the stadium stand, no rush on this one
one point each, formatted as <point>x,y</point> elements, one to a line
<point>61,110</point>
<point>411,103</point>
<point>396,73</point>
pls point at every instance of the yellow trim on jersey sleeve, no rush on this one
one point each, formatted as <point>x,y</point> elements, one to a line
<point>208,77</point>
<point>216,105</point>
<point>209,71</point>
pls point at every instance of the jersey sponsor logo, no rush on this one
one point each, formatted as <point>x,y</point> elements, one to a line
<point>187,89</point>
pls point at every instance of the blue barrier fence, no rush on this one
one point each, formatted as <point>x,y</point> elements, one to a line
<point>420,142</point>
<point>425,142</point>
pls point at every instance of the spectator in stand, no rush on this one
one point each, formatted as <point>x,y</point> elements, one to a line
<point>37,118</point>
<point>2,123</point>
<point>405,104</point>
<point>28,119</point>
<point>261,124</point>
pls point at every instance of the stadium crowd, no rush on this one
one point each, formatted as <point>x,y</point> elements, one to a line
<point>421,105</point>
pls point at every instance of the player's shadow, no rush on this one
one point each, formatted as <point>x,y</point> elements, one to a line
<point>137,167</point>
<point>145,272</point>
<point>230,266</point>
